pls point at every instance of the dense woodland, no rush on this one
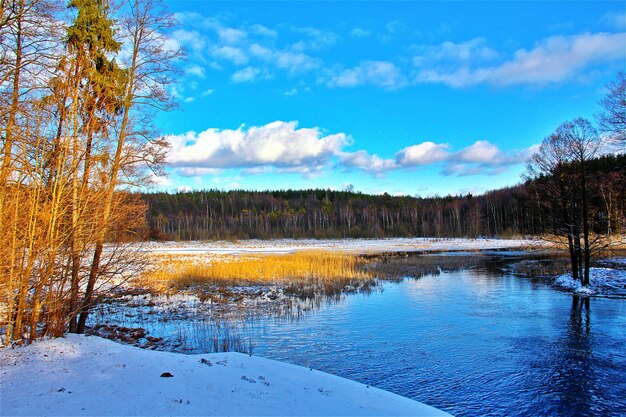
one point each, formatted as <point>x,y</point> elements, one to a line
<point>512,211</point>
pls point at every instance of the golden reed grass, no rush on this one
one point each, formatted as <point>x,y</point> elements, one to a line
<point>321,266</point>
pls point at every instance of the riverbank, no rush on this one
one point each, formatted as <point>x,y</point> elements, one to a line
<point>79,375</point>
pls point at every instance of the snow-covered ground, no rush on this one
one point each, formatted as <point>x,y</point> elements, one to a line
<point>346,245</point>
<point>80,375</point>
<point>602,281</point>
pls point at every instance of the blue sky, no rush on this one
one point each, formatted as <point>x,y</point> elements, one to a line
<point>400,97</point>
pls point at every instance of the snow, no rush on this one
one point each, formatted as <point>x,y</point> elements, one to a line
<point>346,245</point>
<point>79,375</point>
<point>601,280</point>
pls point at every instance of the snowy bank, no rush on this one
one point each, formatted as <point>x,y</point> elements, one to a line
<point>602,281</point>
<point>81,375</point>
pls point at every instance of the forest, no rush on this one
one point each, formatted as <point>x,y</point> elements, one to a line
<point>521,210</point>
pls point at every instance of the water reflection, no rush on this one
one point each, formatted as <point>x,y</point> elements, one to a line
<point>573,380</point>
<point>580,379</point>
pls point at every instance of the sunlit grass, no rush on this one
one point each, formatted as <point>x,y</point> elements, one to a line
<point>293,268</point>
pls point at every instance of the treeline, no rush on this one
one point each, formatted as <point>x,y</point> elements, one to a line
<point>512,211</point>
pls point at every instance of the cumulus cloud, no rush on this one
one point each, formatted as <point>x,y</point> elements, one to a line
<point>246,75</point>
<point>423,154</point>
<point>196,70</point>
<point>230,53</point>
<point>480,152</point>
<point>552,60</point>
<point>484,158</point>
<point>283,147</point>
<point>263,30</point>
<point>378,73</point>
<point>367,162</point>
<point>278,144</point>
<point>480,158</point>
<point>231,35</point>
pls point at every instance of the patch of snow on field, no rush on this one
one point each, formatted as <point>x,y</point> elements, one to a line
<point>80,375</point>
<point>346,245</point>
<point>602,281</point>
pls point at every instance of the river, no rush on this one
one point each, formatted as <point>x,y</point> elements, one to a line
<point>477,341</point>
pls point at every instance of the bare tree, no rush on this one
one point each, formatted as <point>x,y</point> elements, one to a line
<point>612,121</point>
<point>148,71</point>
<point>560,171</point>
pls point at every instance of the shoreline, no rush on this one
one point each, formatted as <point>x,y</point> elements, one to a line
<point>88,375</point>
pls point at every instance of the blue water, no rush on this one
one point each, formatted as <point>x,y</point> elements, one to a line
<point>471,342</point>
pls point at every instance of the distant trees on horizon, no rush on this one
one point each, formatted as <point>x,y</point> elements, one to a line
<point>507,212</point>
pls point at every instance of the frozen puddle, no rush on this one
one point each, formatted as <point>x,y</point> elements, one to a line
<point>80,375</point>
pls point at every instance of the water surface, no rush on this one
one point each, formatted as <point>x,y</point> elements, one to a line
<point>473,342</point>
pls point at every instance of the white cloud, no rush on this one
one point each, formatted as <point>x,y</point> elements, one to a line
<point>197,171</point>
<point>279,144</point>
<point>208,92</point>
<point>196,70</point>
<point>295,62</point>
<point>189,39</point>
<point>480,152</point>
<point>379,73</point>
<point>264,31</point>
<point>465,52</point>
<point>423,154</point>
<point>245,75</point>
<point>292,62</point>
<point>158,180</point>
<point>463,170</point>
<point>484,158</point>
<point>261,52</point>
<point>396,26</point>
<point>231,35</point>
<point>552,60</point>
<point>367,162</point>
<point>360,33</point>
<point>291,92</point>
<point>615,20</point>
<point>232,54</point>
<point>282,147</point>
<point>316,38</point>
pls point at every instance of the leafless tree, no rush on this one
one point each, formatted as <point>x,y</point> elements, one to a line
<point>612,121</point>
<point>560,169</point>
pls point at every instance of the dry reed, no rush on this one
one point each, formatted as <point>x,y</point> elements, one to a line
<point>298,267</point>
